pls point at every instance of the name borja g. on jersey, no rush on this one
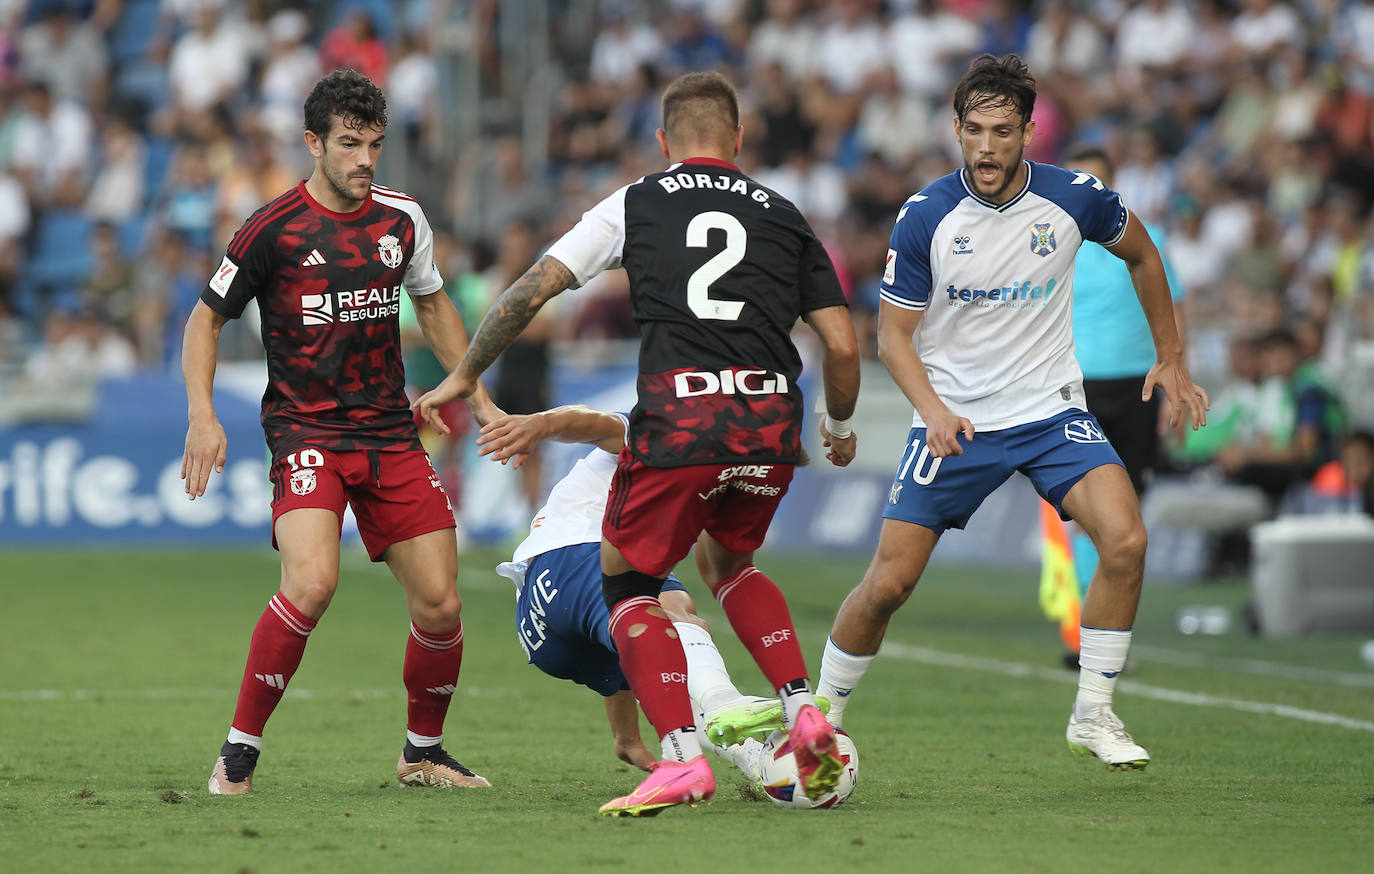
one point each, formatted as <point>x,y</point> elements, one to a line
<point>720,268</point>
<point>329,286</point>
<point>995,282</point>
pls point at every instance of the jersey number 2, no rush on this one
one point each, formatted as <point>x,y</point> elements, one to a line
<point>699,299</point>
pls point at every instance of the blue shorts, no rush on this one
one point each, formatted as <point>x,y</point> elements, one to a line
<point>562,622</point>
<point>942,493</point>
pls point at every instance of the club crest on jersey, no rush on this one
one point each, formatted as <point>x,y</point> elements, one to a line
<point>1042,239</point>
<point>895,494</point>
<point>303,481</point>
<point>963,245</point>
<point>1084,431</point>
<point>389,248</point>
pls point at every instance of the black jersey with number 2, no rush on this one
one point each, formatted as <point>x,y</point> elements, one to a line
<point>720,268</point>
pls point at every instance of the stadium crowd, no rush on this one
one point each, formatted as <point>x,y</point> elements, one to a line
<point>136,135</point>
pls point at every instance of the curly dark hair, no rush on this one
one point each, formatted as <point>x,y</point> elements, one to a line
<point>349,95</point>
<point>992,82</point>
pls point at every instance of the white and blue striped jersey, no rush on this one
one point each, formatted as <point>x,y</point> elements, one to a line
<point>996,284</point>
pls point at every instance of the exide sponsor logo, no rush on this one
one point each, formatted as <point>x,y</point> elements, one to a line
<point>729,382</point>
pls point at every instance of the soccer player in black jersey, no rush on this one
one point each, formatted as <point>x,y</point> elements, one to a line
<point>326,263</point>
<point>720,269</point>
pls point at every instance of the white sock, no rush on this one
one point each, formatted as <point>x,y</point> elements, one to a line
<point>840,673</point>
<point>1102,656</point>
<point>794,697</point>
<point>681,745</point>
<point>419,740</point>
<point>708,683</point>
<point>238,737</point>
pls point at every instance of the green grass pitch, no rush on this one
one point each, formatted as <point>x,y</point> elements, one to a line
<point>120,669</point>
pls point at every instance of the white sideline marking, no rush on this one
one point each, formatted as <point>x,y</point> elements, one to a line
<point>1253,666</point>
<point>1020,669</point>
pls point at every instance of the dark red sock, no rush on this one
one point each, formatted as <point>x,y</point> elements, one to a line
<point>273,656</point>
<point>758,612</point>
<point>431,672</point>
<point>652,659</point>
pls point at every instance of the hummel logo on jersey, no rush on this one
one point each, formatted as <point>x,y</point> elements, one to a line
<point>446,689</point>
<point>274,681</point>
<point>1084,431</point>
<point>963,245</point>
<point>314,259</point>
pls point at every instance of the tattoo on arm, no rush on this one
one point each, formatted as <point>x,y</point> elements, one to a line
<point>513,310</point>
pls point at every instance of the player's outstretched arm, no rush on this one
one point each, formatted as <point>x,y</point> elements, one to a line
<point>840,376</point>
<point>1170,371</point>
<point>206,443</point>
<point>623,713</point>
<point>510,439</point>
<point>896,349</point>
<point>513,310</point>
<point>445,333</point>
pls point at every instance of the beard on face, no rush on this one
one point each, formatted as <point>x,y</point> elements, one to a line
<point>971,170</point>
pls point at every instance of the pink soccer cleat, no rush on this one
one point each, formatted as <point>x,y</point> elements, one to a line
<point>669,783</point>
<point>813,744</point>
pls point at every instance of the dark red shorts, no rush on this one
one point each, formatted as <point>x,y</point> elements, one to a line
<point>395,495</point>
<point>654,514</point>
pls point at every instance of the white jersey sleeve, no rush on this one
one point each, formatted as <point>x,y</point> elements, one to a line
<point>907,271</point>
<point>596,242</point>
<point>422,274</point>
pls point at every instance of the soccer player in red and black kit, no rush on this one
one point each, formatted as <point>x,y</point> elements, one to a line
<point>326,262</point>
<point>720,268</point>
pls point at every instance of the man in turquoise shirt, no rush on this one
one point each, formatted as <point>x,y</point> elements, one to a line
<point>1112,338</point>
<point>1115,350</point>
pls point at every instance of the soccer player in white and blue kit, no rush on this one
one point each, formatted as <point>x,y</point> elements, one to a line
<point>975,326</point>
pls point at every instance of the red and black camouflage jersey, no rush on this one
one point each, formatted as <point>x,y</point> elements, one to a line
<point>328,286</point>
<point>720,268</point>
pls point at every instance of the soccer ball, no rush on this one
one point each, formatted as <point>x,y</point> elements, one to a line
<point>778,773</point>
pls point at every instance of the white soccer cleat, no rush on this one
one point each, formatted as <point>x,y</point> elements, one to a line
<point>1104,736</point>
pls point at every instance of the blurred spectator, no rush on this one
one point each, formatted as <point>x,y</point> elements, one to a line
<point>1347,483</point>
<point>1315,424</point>
<point>1354,38</point>
<point>67,54</point>
<point>413,93</point>
<point>849,46</point>
<point>505,193</point>
<point>52,148</point>
<point>930,46</point>
<point>620,46</point>
<point>209,62</point>
<point>355,45</point>
<point>1145,178</point>
<point>695,44</point>
<point>256,176</point>
<point>289,72</point>
<point>110,290</point>
<point>1061,41</point>
<point>522,383</point>
<point>785,126</point>
<point>786,37</point>
<point>1266,27</point>
<point>1006,27</point>
<point>1234,419</point>
<point>79,347</point>
<point>187,206</point>
<point>897,125</point>
<point>1152,38</point>
<point>119,189</point>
